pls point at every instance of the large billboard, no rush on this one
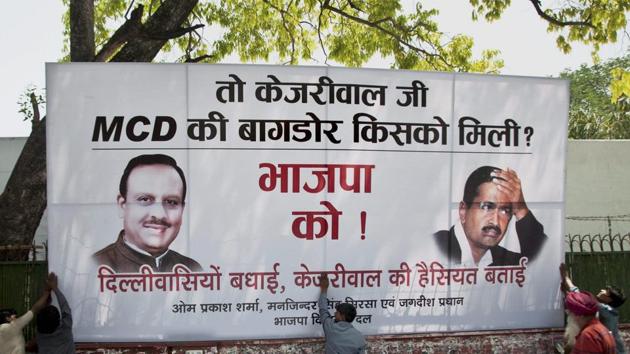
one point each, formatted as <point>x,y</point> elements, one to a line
<point>202,202</point>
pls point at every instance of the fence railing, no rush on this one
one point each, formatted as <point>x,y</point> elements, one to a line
<point>593,271</point>
<point>597,242</point>
<point>21,284</point>
<point>26,252</point>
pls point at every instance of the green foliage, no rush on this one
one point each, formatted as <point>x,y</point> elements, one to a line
<point>289,31</point>
<point>592,22</point>
<point>347,32</point>
<point>352,32</point>
<point>593,114</point>
<point>490,9</point>
<point>620,85</point>
<point>26,103</point>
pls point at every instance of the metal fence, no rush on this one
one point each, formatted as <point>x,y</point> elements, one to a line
<point>597,242</point>
<point>21,284</point>
<point>24,252</point>
<point>598,260</point>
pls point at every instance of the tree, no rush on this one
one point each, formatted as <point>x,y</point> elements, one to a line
<point>349,32</point>
<point>592,22</point>
<point>592,113</point>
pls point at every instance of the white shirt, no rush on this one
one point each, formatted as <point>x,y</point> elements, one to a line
<point>11,338</point>
<point>467,258</point>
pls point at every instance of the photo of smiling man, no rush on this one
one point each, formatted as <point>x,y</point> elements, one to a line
<point>151,201</point>
<point>491,197</point>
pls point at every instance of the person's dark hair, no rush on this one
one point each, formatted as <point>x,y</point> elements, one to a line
<point>48,319</point>
<point>616,295</point>
<point>476,179</point>
<point>4,313</point>
<point>347,311</point>
<point>143,160</point>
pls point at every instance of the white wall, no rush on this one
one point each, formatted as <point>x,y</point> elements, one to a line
<point>598,186</point>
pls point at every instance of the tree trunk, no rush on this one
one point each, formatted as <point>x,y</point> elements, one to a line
<point>167,19</point>
<point>82,30</point>
<point>24,198</point>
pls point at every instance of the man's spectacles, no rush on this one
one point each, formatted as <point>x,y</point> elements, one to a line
<point>490,207</point>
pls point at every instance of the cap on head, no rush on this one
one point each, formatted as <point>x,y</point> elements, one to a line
<point>347,311</point>
<point>581,303</point>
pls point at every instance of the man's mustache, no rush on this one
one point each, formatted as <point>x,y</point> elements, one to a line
<point>161,222</point>
<point>488,228</point>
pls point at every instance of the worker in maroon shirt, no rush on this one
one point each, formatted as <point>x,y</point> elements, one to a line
<point>593,336</point>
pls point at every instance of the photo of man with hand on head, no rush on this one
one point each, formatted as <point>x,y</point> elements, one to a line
<point>492,196</point>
